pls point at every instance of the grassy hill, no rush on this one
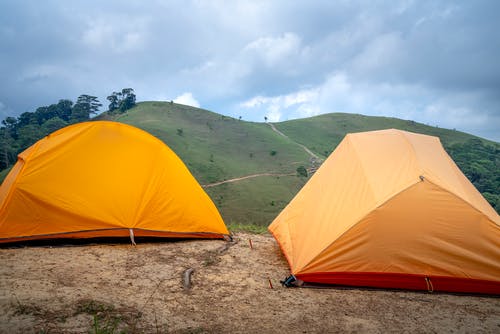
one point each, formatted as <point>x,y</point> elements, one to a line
<point>323,133</point>
<point>217,148</point>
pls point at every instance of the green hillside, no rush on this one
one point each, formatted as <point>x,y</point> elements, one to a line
<point>218,148</point>
<point>323,133</point>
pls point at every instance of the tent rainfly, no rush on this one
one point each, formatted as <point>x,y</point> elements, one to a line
<point>391,209</point>
<point>103,179</point>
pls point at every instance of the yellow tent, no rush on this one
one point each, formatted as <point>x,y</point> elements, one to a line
<point>101,179</point>
<point>391,209</point>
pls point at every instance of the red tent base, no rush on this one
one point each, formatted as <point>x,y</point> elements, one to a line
<point>405,281</point>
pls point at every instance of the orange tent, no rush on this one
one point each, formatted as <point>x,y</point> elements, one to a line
<point>102,179</point>
<point>391,209</point>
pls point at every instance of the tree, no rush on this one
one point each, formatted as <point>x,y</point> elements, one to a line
<point>10,124</point>
<point>44,113</point>
<point>128,100</point>
<point>28,135</point>
<point>26,118</point>
<point>480,163</point>
<point>17,134</point>
<point>121,101</point>
<point>7,148</point>
<point>52,125</point>
<point>302,171</point>
<point>9,121</point>
<point>84,106</point>
<point>114,102</point>
<point>64,109</point>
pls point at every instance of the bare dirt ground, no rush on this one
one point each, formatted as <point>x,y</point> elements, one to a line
<point>140,289</point>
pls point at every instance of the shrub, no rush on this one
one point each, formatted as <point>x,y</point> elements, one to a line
<point>302,171</point>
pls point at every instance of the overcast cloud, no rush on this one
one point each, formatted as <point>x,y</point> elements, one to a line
<point>436,62</point>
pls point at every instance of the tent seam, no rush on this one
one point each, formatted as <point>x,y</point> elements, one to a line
<point>463,200</point>
<point>404,190</point>
<point>283,251</point>
<point>16,179</point>
<point>417,161</point>
<point>58,133</point>
<point>458,172</point>
<point>358,221</point>
<point>349,141</point>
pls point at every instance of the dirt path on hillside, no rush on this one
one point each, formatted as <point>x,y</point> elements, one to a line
<point>311,153</point>
<point>139,290</point>
<point>314,162</point>
<point>244,178</point>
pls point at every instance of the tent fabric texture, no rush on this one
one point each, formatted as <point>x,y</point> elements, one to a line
<point>103,179</point>
<point>390,209</point>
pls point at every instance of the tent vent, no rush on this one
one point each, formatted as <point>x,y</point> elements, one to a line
<point>421,177</point>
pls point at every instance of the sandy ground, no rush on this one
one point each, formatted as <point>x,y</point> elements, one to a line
<point>140,289</point>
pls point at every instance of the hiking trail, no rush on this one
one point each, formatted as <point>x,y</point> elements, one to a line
<point>245,177</point>
<point>311,153</point>
<point>314,161</point>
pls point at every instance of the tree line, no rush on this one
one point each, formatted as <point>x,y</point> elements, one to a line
<point>480,162</point>
<point>19,133</point>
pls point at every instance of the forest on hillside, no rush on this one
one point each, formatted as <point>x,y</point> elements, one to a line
<point>481,164</point>
<point>19,133</point>
<point>478,159</point>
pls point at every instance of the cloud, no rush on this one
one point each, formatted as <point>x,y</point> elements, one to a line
<point>379,54</point>
<point>274,50</point>
<point>341,93</point>
<point>115,34</point>
<point>274,107</point>
<point>187,99</point>
<point>407,59</point>
<point>4,111</point>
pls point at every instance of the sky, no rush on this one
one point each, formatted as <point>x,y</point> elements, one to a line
<point>434,62</point>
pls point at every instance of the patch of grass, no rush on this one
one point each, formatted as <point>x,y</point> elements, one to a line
<point>26,309</point>
<point>323,133</point>
<point>248,201</point>
<point>192,330</point>
<point>105,326</point>
<point>39,312</point>
<point>210,258</point>
<point>106,318</point>
<point>90,306</point>
<point>248,228</point>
